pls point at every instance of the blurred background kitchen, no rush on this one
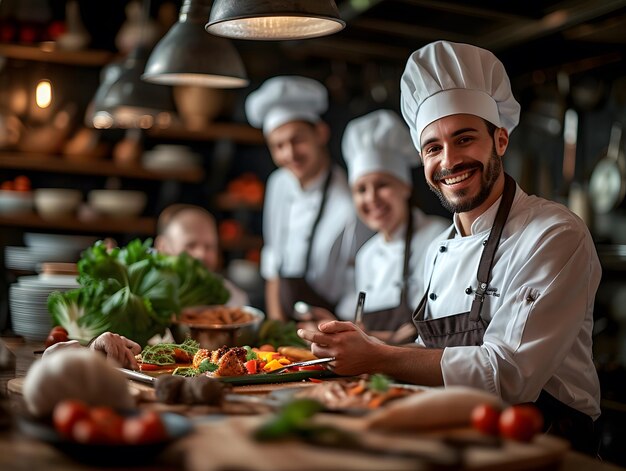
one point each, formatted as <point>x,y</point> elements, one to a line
<point>88,150</point>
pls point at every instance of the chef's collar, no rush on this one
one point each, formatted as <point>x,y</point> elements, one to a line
<point>314,185</point>
<point>485,221</point>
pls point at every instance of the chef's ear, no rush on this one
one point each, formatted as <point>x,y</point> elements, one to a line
<point>501,141</point>
<point>323,131</point>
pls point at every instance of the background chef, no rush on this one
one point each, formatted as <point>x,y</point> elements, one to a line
<point>509,306</point>
<point>379,155</point>
<point>309,223</point>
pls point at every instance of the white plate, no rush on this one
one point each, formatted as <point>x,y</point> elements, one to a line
<point>74,242</point>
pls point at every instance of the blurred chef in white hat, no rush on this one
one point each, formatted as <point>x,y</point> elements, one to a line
<point>379,155</point>
<point>309,222</point>
<point>509,302</point>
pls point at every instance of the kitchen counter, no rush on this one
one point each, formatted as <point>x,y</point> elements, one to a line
<point>221,440</point>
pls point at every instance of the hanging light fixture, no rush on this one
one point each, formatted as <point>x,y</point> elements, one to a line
<point>187,55</point>
<point>132,103</point>
<point>274,19</point>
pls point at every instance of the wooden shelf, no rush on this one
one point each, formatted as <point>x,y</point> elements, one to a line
<point>226,202</point>
<point>241,133</point>
<point>143,225</point>
<point>84,166</point>
<point>47,52</point>
<point>246,242</point>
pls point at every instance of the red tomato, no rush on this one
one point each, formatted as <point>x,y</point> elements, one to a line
<point>87,431</point>
<point>145,428</point>
<point>56,335</point>
<point>520,422</point>
<point>485,419</point>
<point>22,183</point>
<point>66,414</point>
<point>252,367</point>
<point>149,367</point>
<point>109,423</point>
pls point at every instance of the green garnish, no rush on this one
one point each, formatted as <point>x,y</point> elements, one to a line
<point>163,353</point>
<point>187,371</point>
<point>250,354</point>
<point>379,383</point>
<point>206,365</point>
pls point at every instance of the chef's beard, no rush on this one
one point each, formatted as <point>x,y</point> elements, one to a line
<point>489,177</point>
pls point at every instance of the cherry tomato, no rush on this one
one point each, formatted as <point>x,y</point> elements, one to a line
<point>87,431</point>
<point>108,422</point>
<point>145,428</point>
<point>485,418</point>
<point>22,183</point>
<point>520,422</point>
<point>56,335</point>
<point>252,366</point>
<point>67,413</point>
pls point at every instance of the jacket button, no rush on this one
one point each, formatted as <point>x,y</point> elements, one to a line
<point>485,242</point>
<point>442,248</point>
<point>432,296</point>
<point>469,290</point>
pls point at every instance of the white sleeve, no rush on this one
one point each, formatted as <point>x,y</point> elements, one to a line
<point>548,303</point>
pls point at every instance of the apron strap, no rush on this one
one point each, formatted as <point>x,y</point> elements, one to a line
<point>407,255</point>
<point>317,220</point>
<point>489,252</point>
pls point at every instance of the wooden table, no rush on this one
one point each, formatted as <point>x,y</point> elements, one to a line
<point>222,441</point>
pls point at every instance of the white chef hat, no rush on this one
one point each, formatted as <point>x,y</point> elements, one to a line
<point>379,142</point>
<point>445,78</point>
<point>281,100</point>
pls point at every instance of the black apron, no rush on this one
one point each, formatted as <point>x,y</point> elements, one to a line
<point>392,319</point>
<point>468,328</point>
<point>294,289</point>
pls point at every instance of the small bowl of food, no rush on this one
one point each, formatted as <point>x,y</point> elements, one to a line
<point>216,326</point>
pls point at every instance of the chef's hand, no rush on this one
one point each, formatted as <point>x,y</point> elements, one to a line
<point>351,347</point>
<point>117,348</point>
<point>314,316</point>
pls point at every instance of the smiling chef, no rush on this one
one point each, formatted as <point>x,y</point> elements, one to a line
<point>310,229</point>
<point>379,155</point>
<point>508,306</point>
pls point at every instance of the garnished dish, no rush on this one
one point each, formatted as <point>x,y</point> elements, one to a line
<point>247,363</point>
<point>216,315</point>
<point>363,393</point>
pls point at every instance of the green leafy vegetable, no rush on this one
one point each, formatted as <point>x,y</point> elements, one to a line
<point>186,371</point>
<point>290,420</point>
<point>69,311</point>
<point>135,291</point>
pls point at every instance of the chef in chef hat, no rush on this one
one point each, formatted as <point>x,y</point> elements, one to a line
<point>284,99</point>
<point>308,217</point>
<point>445,78</point>
<point>379,155</point>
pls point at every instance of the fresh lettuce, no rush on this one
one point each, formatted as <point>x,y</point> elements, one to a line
<point>133,291</point>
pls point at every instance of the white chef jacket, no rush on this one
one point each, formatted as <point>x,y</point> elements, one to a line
<point>539,305</point>
<point>288,216</point>
<point>379,263</point>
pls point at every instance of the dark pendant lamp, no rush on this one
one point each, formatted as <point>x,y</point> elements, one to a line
<point>133,103</point>
<point>187,55</point>
<point>274,19</point>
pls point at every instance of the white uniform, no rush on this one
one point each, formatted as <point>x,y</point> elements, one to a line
<point>539,305</point>
<point>289,214</point>
<point>379,263</point>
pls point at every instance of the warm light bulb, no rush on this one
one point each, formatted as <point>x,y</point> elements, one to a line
<point>43,94</point>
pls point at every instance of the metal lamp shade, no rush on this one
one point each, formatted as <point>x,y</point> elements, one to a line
<point>132,102</point>
<point>187,55</point>
<point>274,19</point>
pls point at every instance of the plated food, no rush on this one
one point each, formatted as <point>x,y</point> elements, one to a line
<point>188,359</point>
<point>216,315</point>
<point>359,394</point>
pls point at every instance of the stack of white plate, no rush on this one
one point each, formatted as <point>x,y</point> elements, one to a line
<point>45,248</point>
<point>170,157</point>
<point>28,301</point>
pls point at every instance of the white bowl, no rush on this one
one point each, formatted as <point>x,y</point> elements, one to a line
<point>54,203</point>
<point>15,202</point>
<point>118,203</point>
